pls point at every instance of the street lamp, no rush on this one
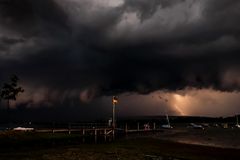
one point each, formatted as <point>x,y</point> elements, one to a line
<point>114,103</point>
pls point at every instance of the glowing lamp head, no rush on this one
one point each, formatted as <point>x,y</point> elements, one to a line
<point>115,100</point>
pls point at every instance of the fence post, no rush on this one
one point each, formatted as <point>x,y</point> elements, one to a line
<point>69,128</point>
<point>95,132</point>
<point>126,128</point>
<point>83,132</point>
<point>53,126</point>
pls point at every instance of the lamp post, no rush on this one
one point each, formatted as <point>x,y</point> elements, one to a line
<point>114,102</point>
<point>113,115</point>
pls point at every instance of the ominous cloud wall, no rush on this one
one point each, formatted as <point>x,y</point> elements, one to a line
<point>88,48</point>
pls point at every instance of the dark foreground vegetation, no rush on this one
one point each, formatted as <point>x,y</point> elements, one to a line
<point>39,146</point>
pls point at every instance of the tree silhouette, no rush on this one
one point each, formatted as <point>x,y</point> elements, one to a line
<point>10,90</point>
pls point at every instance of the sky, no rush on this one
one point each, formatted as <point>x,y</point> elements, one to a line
<point>179,57</point>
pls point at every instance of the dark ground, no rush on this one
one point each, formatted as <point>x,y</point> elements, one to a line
<point>34,146</point>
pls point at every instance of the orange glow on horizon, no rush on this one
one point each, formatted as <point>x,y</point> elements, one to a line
<point>178,103</point>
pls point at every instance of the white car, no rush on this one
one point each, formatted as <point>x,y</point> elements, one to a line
<point>167,126</point>
<point>196,126</point>
<point>237,125</point>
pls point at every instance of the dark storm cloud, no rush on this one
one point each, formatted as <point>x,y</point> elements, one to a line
<point>32,17</point>
<point>145,9</point>
<point>138,46</point>
<point>6,42</point>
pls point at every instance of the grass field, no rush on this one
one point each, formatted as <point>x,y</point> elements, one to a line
<point>35,146</point>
